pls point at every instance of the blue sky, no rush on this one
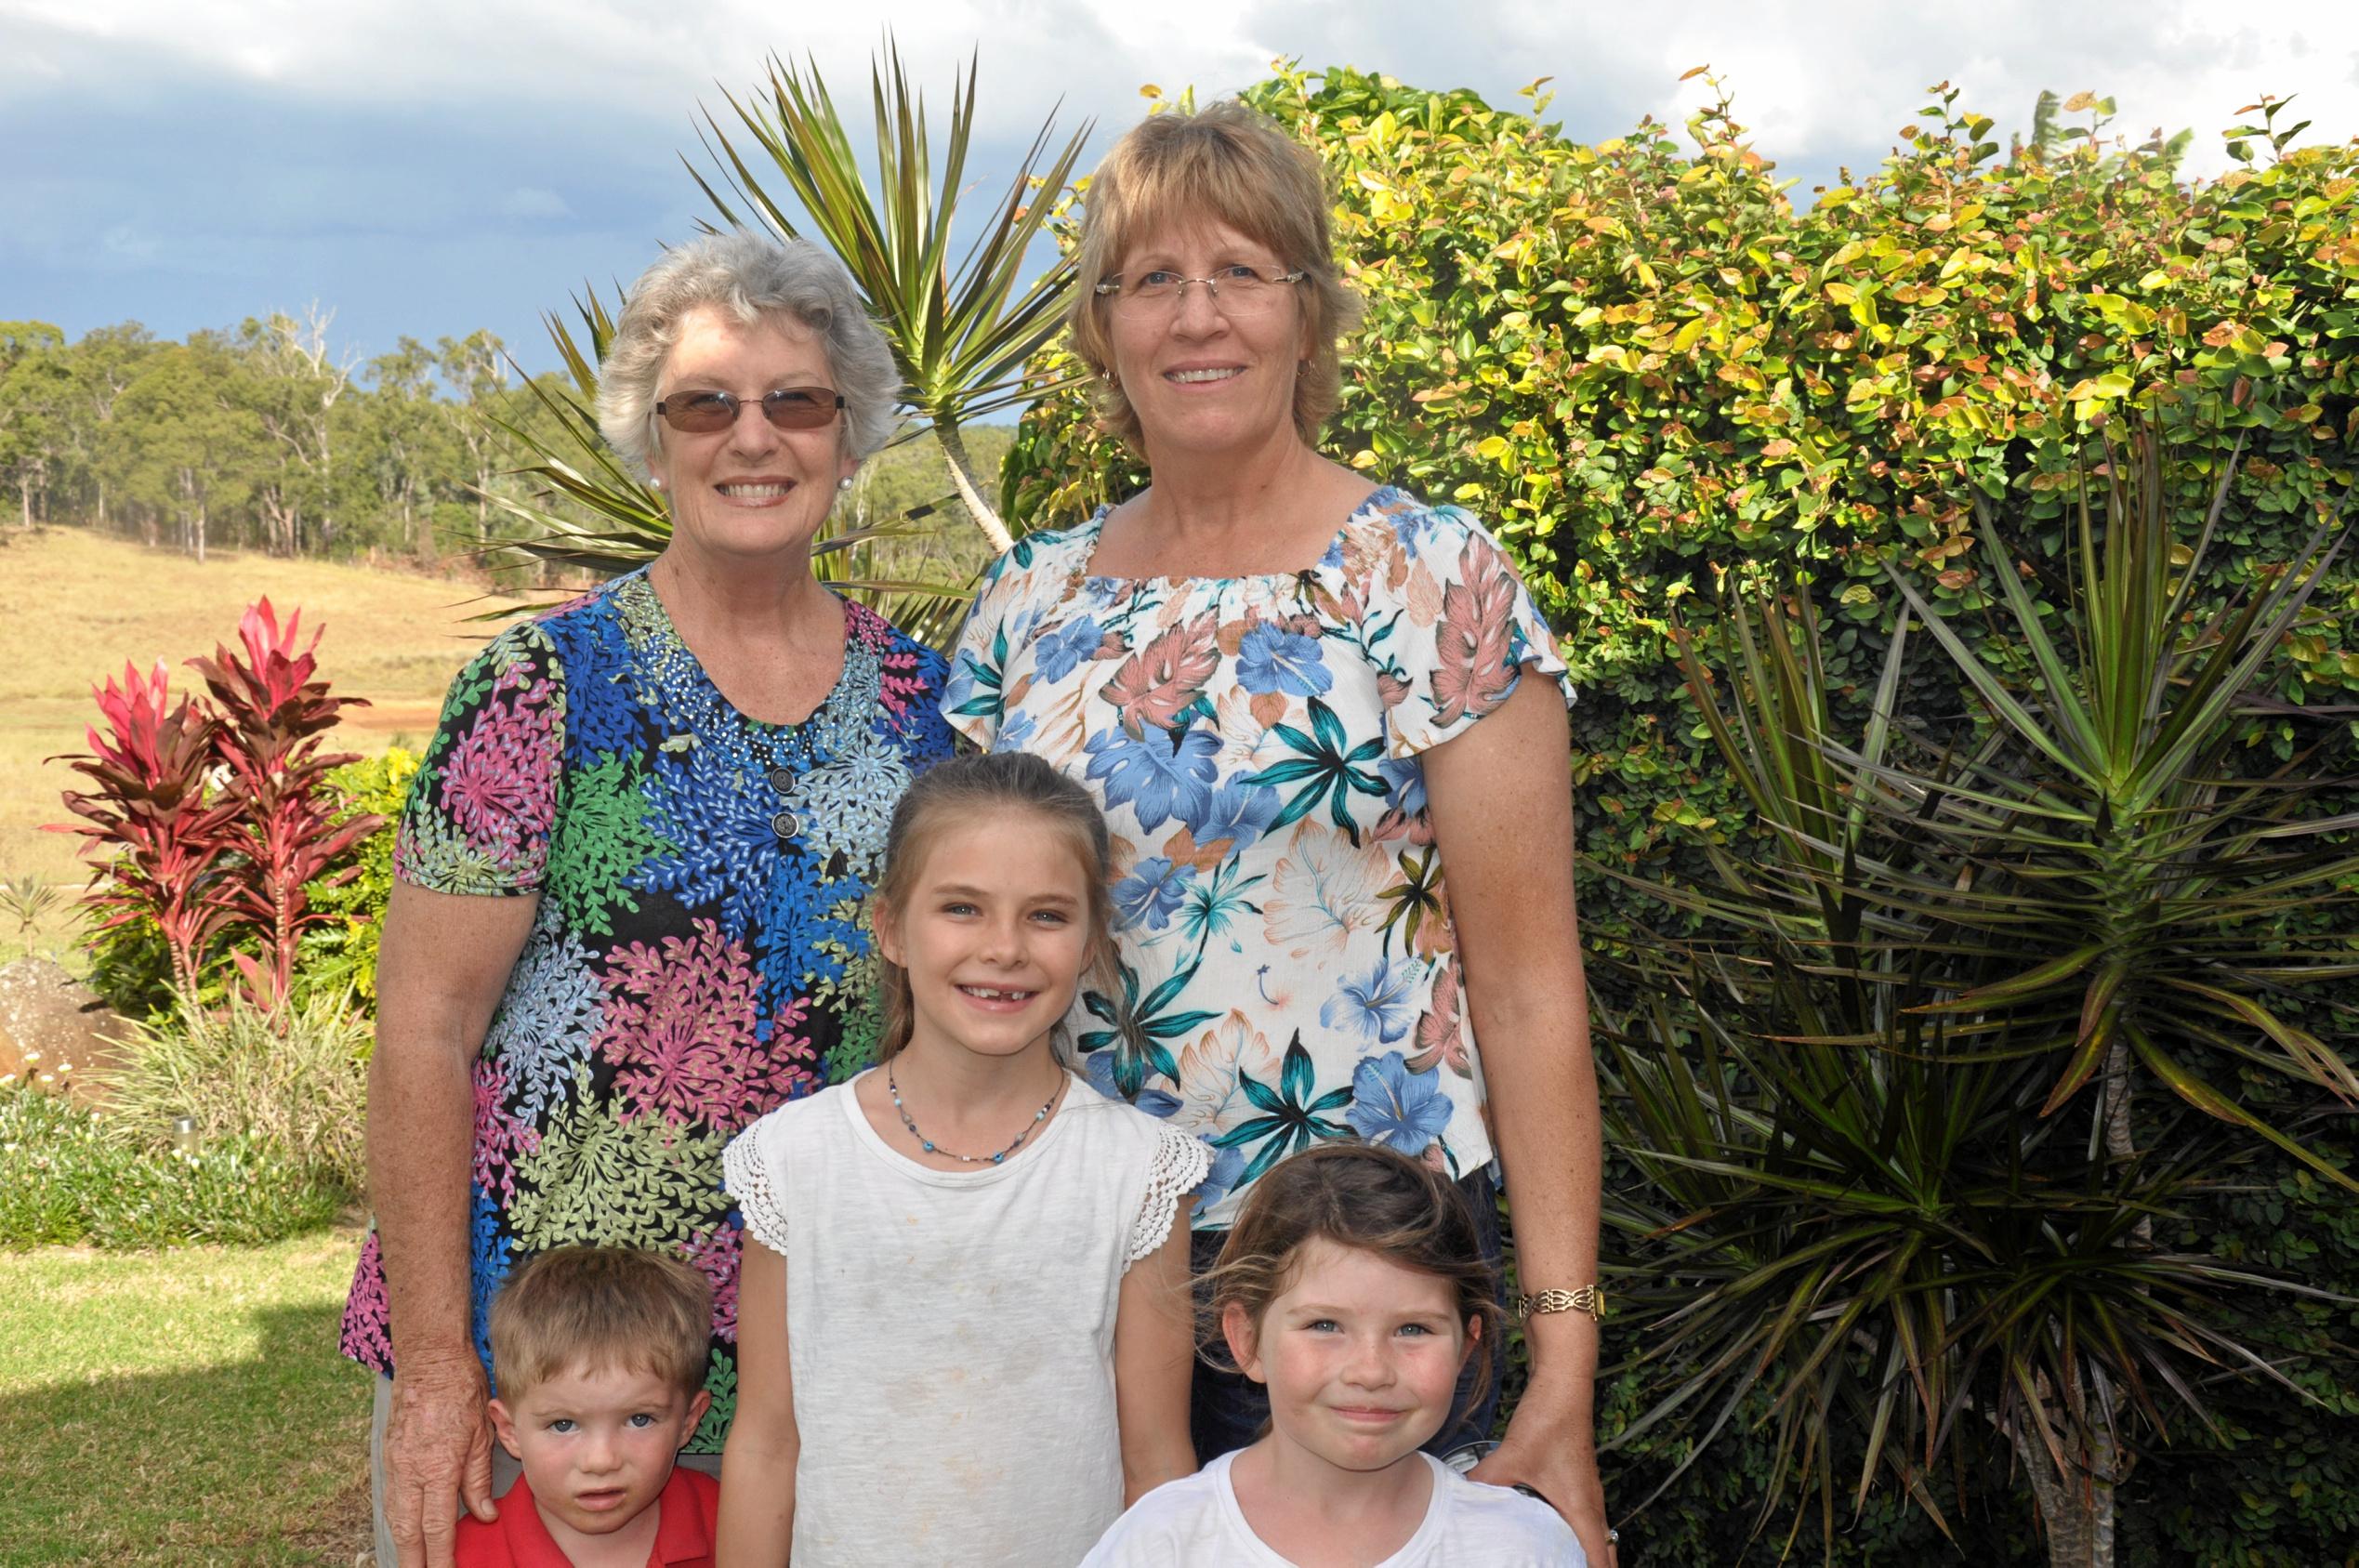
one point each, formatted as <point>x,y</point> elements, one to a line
<point>438,166</point>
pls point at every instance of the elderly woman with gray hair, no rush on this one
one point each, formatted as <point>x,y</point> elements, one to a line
<point>624,923</point>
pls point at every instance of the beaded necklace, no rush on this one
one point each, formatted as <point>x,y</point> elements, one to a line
<point>928,1145</point>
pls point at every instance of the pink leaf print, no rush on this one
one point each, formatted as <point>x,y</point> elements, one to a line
<point>679,1025</point>
<point>1438,1037</point>
<point>716,1255</point>
<point>1471,672</point>
<point>367,1336</point>
<point>500,1139</point>
<point>1156,684</point>
<point>499,783</point>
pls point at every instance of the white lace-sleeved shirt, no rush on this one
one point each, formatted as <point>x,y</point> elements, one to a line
<point>1195,1521</point>
<point>951,1333</point>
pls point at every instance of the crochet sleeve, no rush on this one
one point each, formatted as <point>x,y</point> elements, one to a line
<point>746,1174</point>
<point>1176,1169</point>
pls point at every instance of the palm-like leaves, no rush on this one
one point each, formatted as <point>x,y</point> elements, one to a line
<point>1865,1201</point>
<point>960,336</point>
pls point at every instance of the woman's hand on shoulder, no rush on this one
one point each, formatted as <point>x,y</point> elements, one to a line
<point>1551,1446</point>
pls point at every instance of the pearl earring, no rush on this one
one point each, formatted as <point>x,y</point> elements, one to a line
<point>844,483</point>
<point>655,481</point>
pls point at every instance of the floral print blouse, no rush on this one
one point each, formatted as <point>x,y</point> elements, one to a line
<point>1288,969</point>
<point>701,953</point>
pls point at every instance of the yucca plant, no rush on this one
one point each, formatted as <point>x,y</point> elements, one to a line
<point>1875,1192</point>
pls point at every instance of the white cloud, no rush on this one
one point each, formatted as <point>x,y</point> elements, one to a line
<point>1821,80</point>
<point>533,201</point>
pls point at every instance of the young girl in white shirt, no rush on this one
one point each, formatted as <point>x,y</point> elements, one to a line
<point>964,1327</point>
<point>1354,1288</point>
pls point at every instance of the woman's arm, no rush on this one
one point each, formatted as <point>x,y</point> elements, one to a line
<point>1154,1362</point>
<point>441,971</point>
<point>757,1463</point>
<point>1501,805</point>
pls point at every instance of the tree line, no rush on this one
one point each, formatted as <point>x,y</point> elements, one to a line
<point>260,436</point>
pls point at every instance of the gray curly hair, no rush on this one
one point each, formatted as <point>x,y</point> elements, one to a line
<point>749,275</point>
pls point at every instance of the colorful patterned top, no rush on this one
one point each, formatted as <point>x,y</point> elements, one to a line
<point>1288,956</point>
<point>701,953</point>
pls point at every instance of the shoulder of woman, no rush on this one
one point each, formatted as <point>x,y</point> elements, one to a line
<point>1043,548</point>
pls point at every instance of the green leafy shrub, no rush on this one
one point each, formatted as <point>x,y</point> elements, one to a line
<point>340,955</point>
<point>64,1179</point>
<point>294,1082</point>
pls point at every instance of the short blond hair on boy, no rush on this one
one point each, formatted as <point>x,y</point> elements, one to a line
<point>598,1308</point>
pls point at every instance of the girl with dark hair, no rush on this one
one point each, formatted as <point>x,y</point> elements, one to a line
<point>1353,1286</point>
<point>965,1266</point>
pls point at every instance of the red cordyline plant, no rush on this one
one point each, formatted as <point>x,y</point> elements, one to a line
<point>275,713</point>
<point>149,816</point>
<point>236,858</point>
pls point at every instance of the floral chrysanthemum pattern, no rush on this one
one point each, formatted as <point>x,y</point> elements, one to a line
<point>689,967</point>
<point>1289,969</point>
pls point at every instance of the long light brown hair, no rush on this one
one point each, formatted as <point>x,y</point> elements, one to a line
<point>962,791</point>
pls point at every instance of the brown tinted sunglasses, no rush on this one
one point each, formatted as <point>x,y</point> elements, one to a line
<point>789,408</point>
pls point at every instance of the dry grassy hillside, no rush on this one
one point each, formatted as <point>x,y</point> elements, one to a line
<point>75,606</point>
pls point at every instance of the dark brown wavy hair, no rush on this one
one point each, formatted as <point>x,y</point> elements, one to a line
<point>1360,1195</point>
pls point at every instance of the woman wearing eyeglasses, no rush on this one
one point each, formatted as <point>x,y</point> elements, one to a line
<point>627,917</point>
<point>1328,728</point>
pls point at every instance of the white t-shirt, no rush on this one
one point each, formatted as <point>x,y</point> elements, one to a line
<point>1196,1523</point>
<point>951,1333</point>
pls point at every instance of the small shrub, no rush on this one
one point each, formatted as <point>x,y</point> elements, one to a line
<point>64,1179</point>
<point>340,954</point>
<point>295,1083</point>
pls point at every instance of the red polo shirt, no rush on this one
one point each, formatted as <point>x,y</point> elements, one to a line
<point>690,1502</point>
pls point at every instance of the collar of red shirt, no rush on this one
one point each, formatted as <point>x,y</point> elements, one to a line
<point>690,1502</point>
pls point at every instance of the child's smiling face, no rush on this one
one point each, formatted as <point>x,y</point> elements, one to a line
<point>1361,1356</point>
<point>597,1445</point>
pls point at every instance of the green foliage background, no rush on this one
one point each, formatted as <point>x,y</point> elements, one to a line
<point>1657,379</point>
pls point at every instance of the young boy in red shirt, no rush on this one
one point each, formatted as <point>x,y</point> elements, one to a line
<point>599,1355</point>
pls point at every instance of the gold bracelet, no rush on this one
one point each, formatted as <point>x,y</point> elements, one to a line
<point>1589,1298</point>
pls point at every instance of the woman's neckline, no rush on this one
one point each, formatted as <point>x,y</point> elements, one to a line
<point>1095,530</point>
<point>844,671</point>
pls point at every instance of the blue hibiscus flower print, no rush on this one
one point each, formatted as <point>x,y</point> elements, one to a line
<point>1271,659</point>
<point>1159,775</point>
<point>1064,651</point>
<point>1394,1106</point>
<point>1152,893</point>
<point>1381,1007</point>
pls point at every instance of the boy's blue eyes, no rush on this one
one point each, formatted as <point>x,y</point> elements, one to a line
<point>565,1424</point>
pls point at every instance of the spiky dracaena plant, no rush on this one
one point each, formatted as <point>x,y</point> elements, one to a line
<point>1877,1193</point>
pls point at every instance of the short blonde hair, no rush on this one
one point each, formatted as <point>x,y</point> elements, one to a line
<point>601,1308</point>
<point>1228,164</point>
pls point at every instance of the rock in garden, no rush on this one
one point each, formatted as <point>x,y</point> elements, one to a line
<point>55,1034</point>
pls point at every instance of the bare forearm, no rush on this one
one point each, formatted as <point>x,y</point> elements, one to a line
<point>756,1526</point>
<point>421,1133</point>
<point>1542,1088</point>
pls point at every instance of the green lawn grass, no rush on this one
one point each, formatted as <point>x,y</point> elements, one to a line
<point>181,1407</point>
